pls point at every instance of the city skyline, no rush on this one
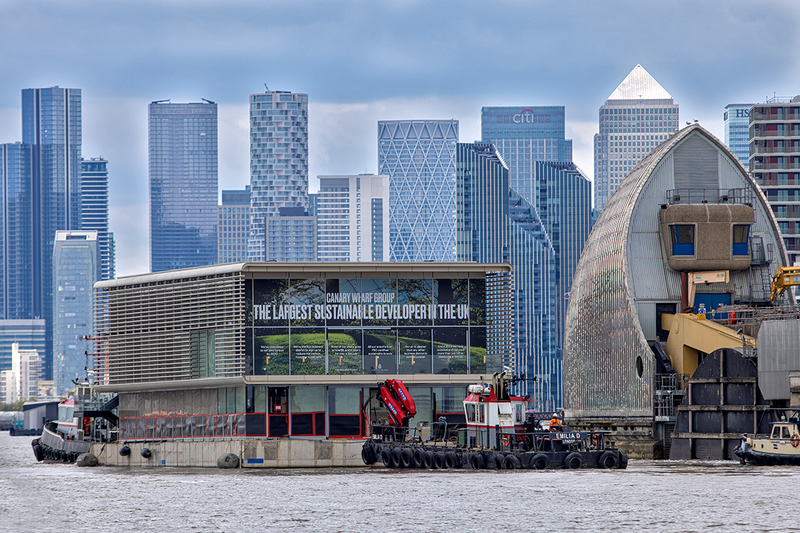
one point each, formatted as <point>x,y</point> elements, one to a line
<point>358,69</point>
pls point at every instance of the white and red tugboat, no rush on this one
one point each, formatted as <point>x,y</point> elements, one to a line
<point>497,434</point>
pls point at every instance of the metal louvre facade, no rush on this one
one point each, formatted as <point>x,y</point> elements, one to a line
<point>622,275</point>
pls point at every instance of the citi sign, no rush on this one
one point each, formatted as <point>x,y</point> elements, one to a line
<point>523,117</point>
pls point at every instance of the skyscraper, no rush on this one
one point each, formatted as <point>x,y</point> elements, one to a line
<point>75,271</point>
<point>775,164</point>
<point>183,185</point>
<point>94,211</point>
<point>419,157</point>
<point>28,333</point>
<point>736,124</point>
<point>234,225</point>
<point>278,161</point>
<point>291,236</point>
<point>497,225</point>
<point>524,135</point>
<point>636,118</point>
<point>352,218</point>
<point>51,124</point>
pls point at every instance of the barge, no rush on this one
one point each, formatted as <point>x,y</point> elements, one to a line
<point>498,435</point>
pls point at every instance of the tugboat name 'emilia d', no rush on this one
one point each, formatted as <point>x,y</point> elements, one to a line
<point>498,434</point>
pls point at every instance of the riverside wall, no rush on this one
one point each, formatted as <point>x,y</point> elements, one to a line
<point>252,453</point>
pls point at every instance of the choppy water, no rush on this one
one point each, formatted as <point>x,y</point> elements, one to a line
<point>667,496</point>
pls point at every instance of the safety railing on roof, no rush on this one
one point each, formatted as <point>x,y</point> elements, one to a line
<point>709,196</point>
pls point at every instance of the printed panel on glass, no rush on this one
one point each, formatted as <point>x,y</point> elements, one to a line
<point>380,351</point>
<point>271,346</point>
<point>415,302</point>
<point>415,351</point>
<point>452,302</point>
<point>344,352</point>
<point>308,351</point>
<point>450,351</point>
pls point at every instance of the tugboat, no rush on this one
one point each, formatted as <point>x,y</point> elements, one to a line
<point>83,419</point>
<point>780,447</point>
<point>498,435</point>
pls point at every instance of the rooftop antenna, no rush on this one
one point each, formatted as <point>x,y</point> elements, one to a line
<point>267,88</point>
<point>207,101</point>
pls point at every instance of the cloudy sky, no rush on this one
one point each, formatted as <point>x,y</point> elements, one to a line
<point>361,62</point>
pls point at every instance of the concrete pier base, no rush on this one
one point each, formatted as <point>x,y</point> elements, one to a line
<point>253,453</point>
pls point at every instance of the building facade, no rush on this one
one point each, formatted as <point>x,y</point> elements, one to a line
<point>291,236</point>
<point>278,161</point>
<point>638,116</point>
<point>76,268</point>
<point>353,218</point>
<point>182,142</point>
<point>94,211</point>
<point>296,349</point>
<point>419,157</point>
<point>524,135</point>
<point>774,163</point>
<point>495,224</point>
<point>234,225</point>
<point>29,334</point>
<point>22,381</point>
<point>736,130</point>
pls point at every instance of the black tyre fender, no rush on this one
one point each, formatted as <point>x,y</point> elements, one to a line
<point>492,460</point>
<point>573,461</point>
<point>37,452</point>
<point>386,458</point>
<point>429,460</point>
<point>539,461</point>
<point>368,455</point>
<point>419,458</point>
<point>476,461</point>
<point>623,460</point>
<point>451,460</point>
<point>397,458</point>
<point>511,462</point>
<point>608,460</point>
<point>439,460</point>
<point>406,458</point>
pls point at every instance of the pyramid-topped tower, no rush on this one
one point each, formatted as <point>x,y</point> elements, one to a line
<point>638,116</point>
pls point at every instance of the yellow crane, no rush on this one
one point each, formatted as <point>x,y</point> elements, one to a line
<point>783,278</point>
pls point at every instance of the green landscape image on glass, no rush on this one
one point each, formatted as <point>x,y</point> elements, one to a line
<point>344,352</point>
<point>272,353</point>
<point>308,351</point>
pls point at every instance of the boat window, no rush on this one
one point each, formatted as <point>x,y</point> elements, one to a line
<point>482,413</point>
<point>62,413</point>
<point>776,432</point>
<point>785,433</point>
<point>520,413</point>
<point>470,408</point>
<point>70,411</point>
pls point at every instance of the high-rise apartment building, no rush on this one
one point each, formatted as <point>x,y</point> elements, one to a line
<point>29,334</point>
<point>234,225</point>
<point>182,144</point>
<point>352,218</point>
<point>736,126</point>
<point>419,156</point>
<point>94,211</point>
<point>636,118</point>
<point>524,135</point>
<point>278,161</point>
<point>75,271</point>
<point>774,163</point>
<point>51,124</point>
<point>497,225</point>
<point>291,236</point>
<point>22,381</point>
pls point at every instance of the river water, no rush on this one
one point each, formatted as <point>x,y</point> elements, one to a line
<point>668,496</point>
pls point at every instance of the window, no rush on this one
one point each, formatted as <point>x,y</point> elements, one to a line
<point>682,239</point>
<point>741,232</point>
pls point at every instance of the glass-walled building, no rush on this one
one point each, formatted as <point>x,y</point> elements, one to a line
<point>302,343</point>
<point>736,130</point>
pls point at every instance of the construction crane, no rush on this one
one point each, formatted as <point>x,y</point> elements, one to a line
<point>783,278</point>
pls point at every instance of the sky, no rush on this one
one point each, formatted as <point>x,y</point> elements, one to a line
<point>361,62</point>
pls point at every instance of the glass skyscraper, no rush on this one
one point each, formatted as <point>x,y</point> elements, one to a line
<point>183,185</point>
<point>94,211</point>
<point>736,128</point>
<point>21,258</point>
<point>638,116</point>
<point>419,156</point>
<point>524,135</point>
<point>28,334</point>
<point>278,161</point>
<point>495,224</point>
<point>75,271</point>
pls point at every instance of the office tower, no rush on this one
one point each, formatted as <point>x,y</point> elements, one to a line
<point>29,334</point>
<point>291,236</point>
<point>313,199</point>
<point>497,225</point>
<point>94,208</point>
<point>419,157</point>
<point>524,135</point>
<point>234,225</point>
<point>26,371</point>
<point>352,218</point>
<point>774,163</point>
<point>75,271</point>
<point>736,124</point>
<point>564,205</point>
<point>183,184</point>
<point>21,260</point>
<point>51,124</point>
<point>638,116</point>
<point>278,161</point>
